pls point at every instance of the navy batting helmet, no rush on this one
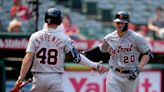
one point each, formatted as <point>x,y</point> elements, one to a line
<point>53,16</point>
<point>122,16</point>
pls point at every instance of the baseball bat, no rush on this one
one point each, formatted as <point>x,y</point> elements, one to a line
<point>25,83</point>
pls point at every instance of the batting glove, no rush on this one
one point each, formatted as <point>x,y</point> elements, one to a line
<point>134,74</point>
<point>16,87</point>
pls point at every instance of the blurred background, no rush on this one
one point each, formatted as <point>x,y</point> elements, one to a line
<point>86,22</point>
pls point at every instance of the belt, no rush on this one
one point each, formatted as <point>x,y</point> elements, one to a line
<point>120,70</point>
<point>47,73</point>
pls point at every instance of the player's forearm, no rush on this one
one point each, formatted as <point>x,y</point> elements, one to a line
<point>87,62</point>
<point>26,64</point>
<point>152,27</point>
<point>144,60</point>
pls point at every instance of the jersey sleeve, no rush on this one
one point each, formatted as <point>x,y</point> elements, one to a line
<point>104,46</point>
<point>142,45</point>
<point>68,45</point>
<point>31,45</point>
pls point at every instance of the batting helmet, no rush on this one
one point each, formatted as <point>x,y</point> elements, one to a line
<point>53,16</point>
<point>122,16</point>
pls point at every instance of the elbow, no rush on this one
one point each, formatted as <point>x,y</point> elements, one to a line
<point>149,54</point>
<point>28,58</point>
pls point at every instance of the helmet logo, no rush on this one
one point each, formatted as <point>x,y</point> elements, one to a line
<point>121,17</point>
<point>48,20</point>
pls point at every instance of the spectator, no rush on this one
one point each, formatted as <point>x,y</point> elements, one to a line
<point>18,26</point>
<point>14,26</point>
<point>143,31</point>
<point>1,27</point>
<point>157,24</point>
<point>1,21</point>
<point>19,11</point>
<point>70,29</point>
<point>132,26</point>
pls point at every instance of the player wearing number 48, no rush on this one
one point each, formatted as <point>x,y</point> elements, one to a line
<point>124,47</point>
<point>46,52</point>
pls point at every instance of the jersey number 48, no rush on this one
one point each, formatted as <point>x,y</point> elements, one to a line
<point>50,57</point>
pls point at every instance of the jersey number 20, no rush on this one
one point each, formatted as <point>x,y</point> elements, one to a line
<point>128,59</point>
<point>51,56</point>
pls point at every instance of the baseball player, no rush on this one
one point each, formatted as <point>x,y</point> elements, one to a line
<point>47,50</point>
<point>124,47</point>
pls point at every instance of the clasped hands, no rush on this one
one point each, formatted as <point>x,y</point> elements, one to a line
<point>100,68</point>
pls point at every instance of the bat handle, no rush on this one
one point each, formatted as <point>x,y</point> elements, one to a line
<point>25,83</point>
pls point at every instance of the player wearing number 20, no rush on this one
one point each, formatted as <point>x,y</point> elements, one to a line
<point>47,49</point>
<point>124,46</point>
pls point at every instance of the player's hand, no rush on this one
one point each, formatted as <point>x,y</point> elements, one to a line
<point>83,52</point>
<point>134,74</point>
<point>16,87</point>
<point>100,68</point>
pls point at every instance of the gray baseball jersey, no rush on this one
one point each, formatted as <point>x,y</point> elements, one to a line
<point>124,51</point>
<point>124,54</point>
<point>50,48</point>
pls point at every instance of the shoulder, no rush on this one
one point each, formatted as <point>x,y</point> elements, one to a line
<point>35,34</point>
<point>66,39</point>
<point>61,27</point>
<point>62,35</point>
<point>111,35</point>
<point>136,36</point>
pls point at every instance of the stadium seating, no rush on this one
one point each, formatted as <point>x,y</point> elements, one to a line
<point>99,8</point>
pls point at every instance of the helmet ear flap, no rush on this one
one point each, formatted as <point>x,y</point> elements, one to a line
<point>125,27</point>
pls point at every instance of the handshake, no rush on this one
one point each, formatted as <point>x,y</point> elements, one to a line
<point>93,55</point>
<point>100,68</point>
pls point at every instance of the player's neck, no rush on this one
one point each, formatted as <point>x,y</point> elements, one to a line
<point>54,26</point>
<point>121,34</point>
